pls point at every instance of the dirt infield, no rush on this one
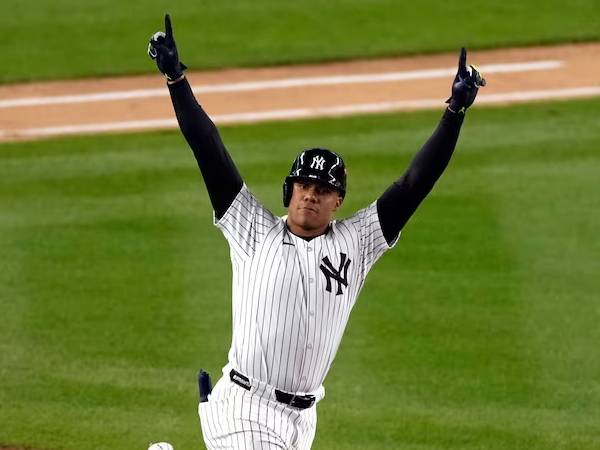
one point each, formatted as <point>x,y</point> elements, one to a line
<point>38,110</point>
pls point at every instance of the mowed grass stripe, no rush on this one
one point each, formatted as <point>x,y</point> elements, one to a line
<point>68,38</point>
<point>117,286</point>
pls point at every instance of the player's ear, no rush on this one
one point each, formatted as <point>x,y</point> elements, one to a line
<point>338,202</point>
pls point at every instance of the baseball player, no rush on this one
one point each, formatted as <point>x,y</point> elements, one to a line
<point>296,277</point>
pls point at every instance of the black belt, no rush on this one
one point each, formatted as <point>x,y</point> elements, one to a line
<point>297,401</point>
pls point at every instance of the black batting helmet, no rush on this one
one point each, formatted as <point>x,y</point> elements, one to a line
<point>316,164</point>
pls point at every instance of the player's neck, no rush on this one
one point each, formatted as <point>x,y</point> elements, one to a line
<point>306,234</point>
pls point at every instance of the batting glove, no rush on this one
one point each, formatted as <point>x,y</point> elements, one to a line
<point>465,86</point>
<point>163,50</point>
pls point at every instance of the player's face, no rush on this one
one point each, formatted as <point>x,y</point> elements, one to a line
<point>311,208</point>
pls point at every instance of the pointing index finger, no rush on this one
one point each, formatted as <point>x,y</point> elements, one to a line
<point>168,27</point>
<point>462,63</point>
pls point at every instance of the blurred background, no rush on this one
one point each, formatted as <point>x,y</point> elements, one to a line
<point>478,331</point>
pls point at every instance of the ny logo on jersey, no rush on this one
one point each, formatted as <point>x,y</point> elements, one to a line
<point>317,162</point>
<point>330,272</point>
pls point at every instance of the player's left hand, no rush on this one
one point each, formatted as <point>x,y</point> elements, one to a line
<point>163,50</point>
<point>465,86</point>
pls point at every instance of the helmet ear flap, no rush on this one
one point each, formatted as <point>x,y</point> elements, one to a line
<point>287,192</point>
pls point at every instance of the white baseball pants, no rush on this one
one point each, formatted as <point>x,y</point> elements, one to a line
<point>236,419</point>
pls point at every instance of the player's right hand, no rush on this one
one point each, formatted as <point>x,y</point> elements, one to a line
<point>163,50</point>
<point>465,86</point>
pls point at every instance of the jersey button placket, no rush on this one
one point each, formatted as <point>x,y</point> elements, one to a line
<point>310,271</point>
<point>313,295</point>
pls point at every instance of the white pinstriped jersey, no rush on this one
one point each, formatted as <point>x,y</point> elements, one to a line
<point>292,297</point>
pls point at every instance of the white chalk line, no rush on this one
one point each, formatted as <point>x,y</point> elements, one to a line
<point>281,84</point>
<point>304,113</point>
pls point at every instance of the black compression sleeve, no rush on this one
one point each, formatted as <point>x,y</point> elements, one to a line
<point>402,198</point>
<point>221,177</point>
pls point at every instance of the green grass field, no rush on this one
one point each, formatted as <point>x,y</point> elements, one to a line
<point>71,38</point>
<point>478,331</point>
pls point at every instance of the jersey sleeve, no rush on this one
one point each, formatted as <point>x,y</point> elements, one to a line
<point>245,223</point>
<point>372,242</point>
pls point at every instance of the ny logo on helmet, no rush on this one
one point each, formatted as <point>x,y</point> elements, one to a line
<point>317,162</point>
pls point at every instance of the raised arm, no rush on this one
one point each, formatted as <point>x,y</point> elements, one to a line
<point>401,199</point>
<point>221,177</point>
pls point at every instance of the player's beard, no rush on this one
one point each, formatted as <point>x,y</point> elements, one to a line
<point>308,220</point>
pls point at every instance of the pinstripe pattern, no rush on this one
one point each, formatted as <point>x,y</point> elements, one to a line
<point>234,418</point>
<point>287,326</point>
